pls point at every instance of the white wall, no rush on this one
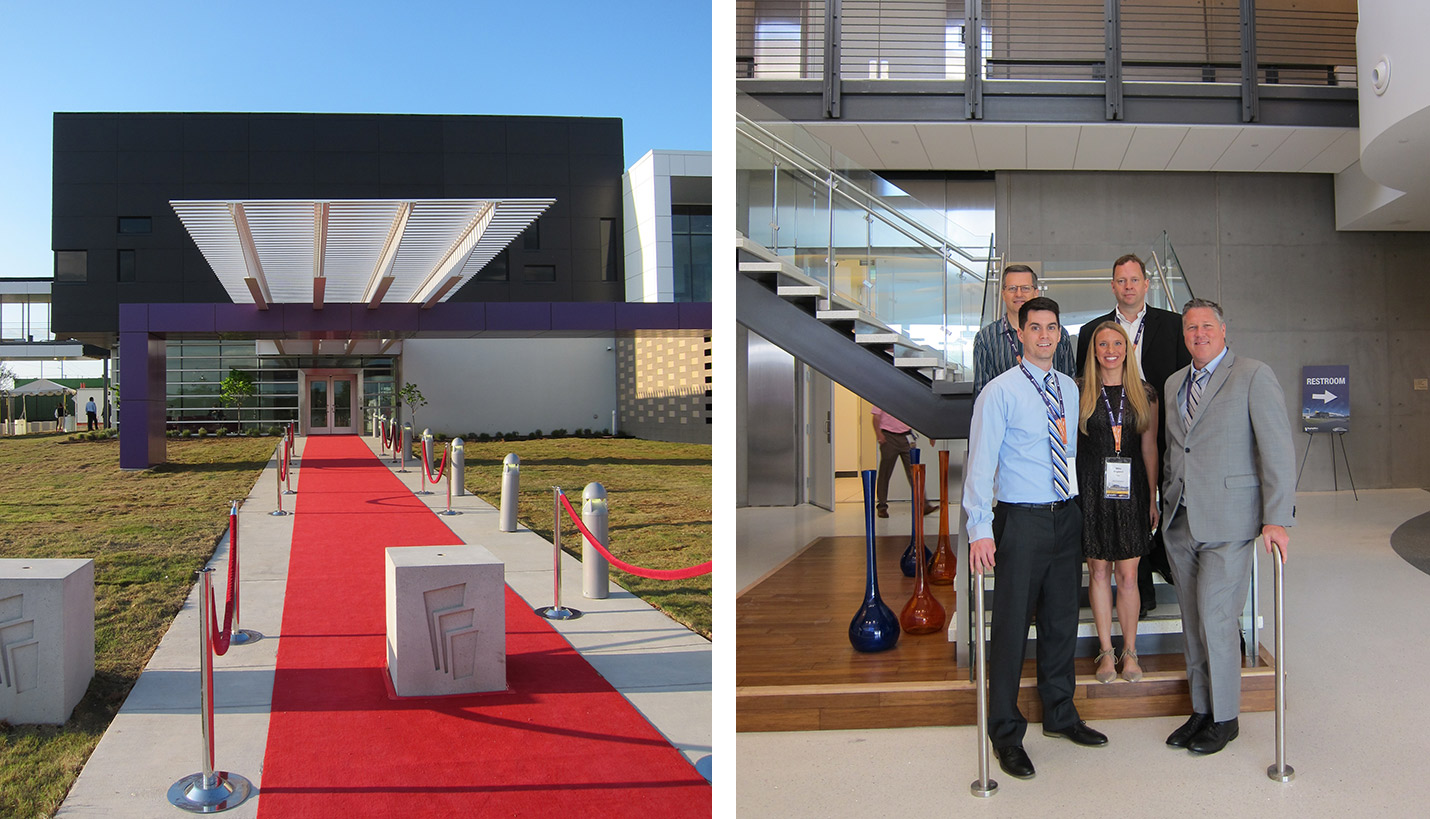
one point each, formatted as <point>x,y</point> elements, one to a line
<point>512,385</point>
<point>650,263</point>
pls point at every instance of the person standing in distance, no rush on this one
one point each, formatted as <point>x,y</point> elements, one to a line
<point>997,348</point>
<point>1020,436</point>
<point>1158,350</point>
<point>895,440</point>
<point>1230,476</point>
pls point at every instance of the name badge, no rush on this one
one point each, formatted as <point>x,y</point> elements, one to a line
<point>1117,478</point>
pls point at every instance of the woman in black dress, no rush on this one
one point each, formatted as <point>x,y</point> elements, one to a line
<point>1116,475</point>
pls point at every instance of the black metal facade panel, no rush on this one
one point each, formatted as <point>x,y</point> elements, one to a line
<point>108,165</point>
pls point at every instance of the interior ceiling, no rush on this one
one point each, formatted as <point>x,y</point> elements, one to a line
<point>350,251</point>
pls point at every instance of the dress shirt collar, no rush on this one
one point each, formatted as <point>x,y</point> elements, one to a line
<point>1211,367</point>
<point>1117,312</point>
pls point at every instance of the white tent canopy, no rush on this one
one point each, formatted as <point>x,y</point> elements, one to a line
<point>41,386</point>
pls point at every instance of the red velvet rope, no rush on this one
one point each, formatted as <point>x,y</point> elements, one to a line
<point>382,425</point>
<point>283,464</point>
<point>440,469</point>
<point>222,637</point>
<point>653,574</point>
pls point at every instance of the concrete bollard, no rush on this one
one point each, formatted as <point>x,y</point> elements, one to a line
<point>459,468</point>
<point>595,568</point>
<point>428,456</point>
<point>510,485</point>
<point>405,445</point>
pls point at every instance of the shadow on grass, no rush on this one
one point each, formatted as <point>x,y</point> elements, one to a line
<point>172,467</point>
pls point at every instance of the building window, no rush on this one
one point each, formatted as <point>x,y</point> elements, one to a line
<point>531,239</point>
<point>539,273</point>
<point>496,270</point>
<point>610,252</point>
<point>71,265</point>
<point>135,225</point>
<point>690,232</point>
<point>126,266</point>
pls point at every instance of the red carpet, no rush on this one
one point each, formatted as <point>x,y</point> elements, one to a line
<point>560,742</point>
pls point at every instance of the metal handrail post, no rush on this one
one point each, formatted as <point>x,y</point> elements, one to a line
<point>557,611</point>
<point>983,786</point>
<point>1280,772</point>
<point>209,791</point>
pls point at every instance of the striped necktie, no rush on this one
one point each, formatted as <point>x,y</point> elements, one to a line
<point>1194,396</point>
<point>1059,448</point>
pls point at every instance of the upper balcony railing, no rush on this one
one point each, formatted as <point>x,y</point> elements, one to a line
<point>1250,44</point>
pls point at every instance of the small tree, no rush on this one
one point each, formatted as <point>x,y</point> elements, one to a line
<point>412,396</point>
<point>7,380</point>
<point>235,389</point>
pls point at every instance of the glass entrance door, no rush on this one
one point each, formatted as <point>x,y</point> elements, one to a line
<point>330,404</point>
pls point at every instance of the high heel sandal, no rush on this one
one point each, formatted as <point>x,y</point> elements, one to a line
<point>1110,675</point>
<point>1134,672</point>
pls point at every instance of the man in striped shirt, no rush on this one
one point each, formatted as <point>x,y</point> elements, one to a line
<point>997,348</point>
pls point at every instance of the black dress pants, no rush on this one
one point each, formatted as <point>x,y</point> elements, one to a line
<point>1038,568</point>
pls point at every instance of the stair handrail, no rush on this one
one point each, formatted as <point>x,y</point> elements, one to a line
<point>821,174</point>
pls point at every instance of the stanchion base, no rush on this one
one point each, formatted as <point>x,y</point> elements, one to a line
<point>229,791</point>
<point>277,513</point>
<point>983,789</point>
<point>1281,775</point>
<point>449,512</point>
<point>244,636</point>
<point>555,613</point>
<point>402,471</point>
<point>290,491</point>
<point>423,492</point>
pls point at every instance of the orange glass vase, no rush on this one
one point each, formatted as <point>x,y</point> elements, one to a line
<point>922,614</point>
<point>944,565</point>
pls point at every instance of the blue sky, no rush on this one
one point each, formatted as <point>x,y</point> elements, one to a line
<point>645,61</point>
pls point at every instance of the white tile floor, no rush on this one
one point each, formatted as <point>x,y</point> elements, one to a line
<point>1356,723</point>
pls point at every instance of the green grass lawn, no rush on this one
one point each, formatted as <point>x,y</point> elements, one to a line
<point>659,506</point>
<point>148,532</point>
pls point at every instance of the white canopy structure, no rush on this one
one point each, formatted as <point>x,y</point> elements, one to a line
<point>415,251</point>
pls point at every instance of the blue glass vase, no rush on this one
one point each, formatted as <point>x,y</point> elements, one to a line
<point>906,561</point>
<point>874,627</point>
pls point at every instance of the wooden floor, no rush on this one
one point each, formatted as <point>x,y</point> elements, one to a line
<point>796,671</point>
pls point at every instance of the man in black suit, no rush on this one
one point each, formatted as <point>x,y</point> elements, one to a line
<point>1157,341</point>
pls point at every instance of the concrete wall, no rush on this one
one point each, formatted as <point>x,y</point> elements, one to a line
<point>665,385</point>
<point>512,385</point>
<point>1295,291</point>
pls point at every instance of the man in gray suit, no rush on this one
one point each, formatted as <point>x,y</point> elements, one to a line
<point>1229,476</point>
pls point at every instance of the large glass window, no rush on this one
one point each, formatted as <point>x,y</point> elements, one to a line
<point>690,235</point>
<point>135,225</point>
<point>539,273</point>
<point>496,270</point>
<point>610,252</point>
<point>71,265</point>
<point>127,266</point>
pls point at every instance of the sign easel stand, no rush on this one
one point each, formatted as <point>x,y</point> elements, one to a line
<point>1335,477</point>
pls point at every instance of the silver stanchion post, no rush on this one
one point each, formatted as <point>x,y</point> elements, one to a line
<point>558,611</point>
<point>1280,772</point>
<point>426,469</point>
<point>510,483</point>
<point>209,791</point>
<point>450,470</point>
<point>278,479</point>
<point>288,472</point>
<point>241,636</point>
<point>595,568</point>
<point>982,786</point>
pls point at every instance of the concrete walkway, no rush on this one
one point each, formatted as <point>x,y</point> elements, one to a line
<point>660,666</point>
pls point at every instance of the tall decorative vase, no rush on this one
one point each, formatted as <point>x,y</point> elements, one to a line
<point>874,627</point>
<point>906,560</point>
<point>923,614</point>
<point>944,565</point>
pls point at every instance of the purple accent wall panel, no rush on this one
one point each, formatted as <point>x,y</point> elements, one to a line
<point>302,320</point>
<point>525,316</point>
<point>181,318</point>
<point>387,319</point>
<point>463,319</point>
<point>248,320</point>
<point>583,315</point>
<point>662,316</point>
<point>696,316</point>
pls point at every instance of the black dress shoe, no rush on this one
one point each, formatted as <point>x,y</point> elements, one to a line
<point>1015,762</point>
<point>883,513</point>
<point>1189,729</point>
<point>1079,733</point>
<point>1213,737</point>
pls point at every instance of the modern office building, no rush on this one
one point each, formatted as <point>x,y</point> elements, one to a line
<point>338,256</point>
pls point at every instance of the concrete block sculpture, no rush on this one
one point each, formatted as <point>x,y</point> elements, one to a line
<point>46,638</point>
<point>446,620</point>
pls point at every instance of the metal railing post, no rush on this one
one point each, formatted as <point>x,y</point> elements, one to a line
<point>1280,772</point>
<point>208,791</point>
<point>557,611</point>
<point>983,786</point>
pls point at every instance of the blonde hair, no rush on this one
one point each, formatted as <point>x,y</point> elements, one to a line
<point>1131,383</point>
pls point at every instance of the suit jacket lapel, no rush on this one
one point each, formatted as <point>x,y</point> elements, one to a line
<point>1218,378</point>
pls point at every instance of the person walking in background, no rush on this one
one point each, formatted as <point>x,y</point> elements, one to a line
<point>1230,476</point>
<point>91,413</point>
<point>997,348</point>
<point>1158,351</point>
<point>1117,470</point>
<point>894,437</point>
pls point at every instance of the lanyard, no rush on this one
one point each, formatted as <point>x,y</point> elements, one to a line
<point>1116,420</point>
<point>1059,417</point>
<point>1008,336</point>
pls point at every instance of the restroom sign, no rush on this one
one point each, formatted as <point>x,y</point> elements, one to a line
<point>1325,398</point>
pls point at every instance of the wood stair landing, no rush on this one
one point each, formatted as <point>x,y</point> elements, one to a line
<point>795,669</point>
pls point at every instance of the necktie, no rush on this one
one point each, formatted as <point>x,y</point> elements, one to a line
<point>1194,397</point>
<point>1060,453</point>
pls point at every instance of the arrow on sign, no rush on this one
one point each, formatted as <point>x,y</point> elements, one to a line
<point>1325,397</point>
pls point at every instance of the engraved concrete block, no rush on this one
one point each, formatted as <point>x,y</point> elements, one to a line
<point>446,620</point>
<point>46,638</point>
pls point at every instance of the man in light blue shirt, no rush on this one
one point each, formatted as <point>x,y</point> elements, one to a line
<point>1024,438</point>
